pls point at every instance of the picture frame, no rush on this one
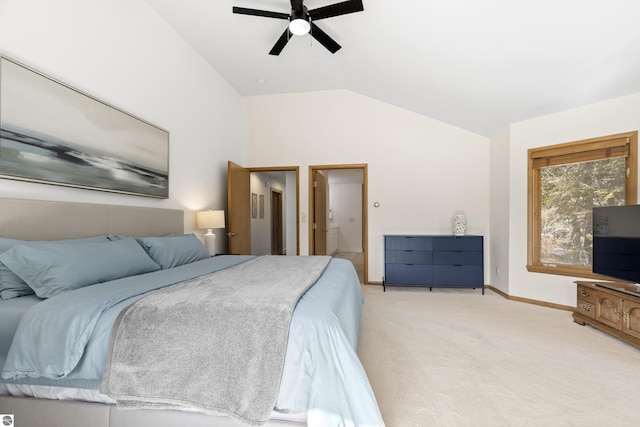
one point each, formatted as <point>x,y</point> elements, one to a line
<point>261,206</point>
<point>254,205</point>
<point>52,133</point>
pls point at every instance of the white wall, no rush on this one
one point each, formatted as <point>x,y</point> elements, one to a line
<point>420,170</point>
<point>601,119</point>
<point>123,53</point>
<point>499,164</point>
<point>345,201</point>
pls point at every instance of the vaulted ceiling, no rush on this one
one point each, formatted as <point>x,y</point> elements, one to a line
<point>478,65</point>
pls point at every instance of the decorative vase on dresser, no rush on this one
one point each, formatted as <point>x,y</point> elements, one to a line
<point>459,225</point>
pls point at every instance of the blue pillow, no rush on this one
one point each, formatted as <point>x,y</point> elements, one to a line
<point>174,251</point>
<point>53,268</point>
<point>122,236</point>
<point>12,286</point>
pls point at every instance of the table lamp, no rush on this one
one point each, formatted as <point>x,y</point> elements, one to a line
<point>209,220</point>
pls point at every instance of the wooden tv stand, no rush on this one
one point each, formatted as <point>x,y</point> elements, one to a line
<point>611,307</point>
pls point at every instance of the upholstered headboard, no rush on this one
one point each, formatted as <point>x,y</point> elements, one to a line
<point>48,220</point>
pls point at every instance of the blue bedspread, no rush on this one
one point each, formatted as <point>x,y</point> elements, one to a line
<point>63,341</point>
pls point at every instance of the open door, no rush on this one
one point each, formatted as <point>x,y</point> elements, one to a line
<point>277,242</point>
<point>239,207</point>
<point>320,213</point>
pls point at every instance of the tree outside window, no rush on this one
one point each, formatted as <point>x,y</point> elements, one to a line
<point>566,182</point>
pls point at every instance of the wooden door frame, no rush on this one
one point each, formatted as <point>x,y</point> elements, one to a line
<point>365,209</point>
<point>295,169</point>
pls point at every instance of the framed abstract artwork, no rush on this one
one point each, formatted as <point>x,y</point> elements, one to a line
<point>51,133</point>
<point>254,205</point>
<point>261,206</point>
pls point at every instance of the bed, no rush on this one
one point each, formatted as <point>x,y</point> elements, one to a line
<point>91,372</point>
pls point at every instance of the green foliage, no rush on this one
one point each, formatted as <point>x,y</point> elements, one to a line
<point>568,194</point>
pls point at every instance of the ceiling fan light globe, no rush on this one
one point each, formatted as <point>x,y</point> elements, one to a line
<point>299,27</point>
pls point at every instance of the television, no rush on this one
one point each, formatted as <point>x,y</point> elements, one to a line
<point>616,242</point>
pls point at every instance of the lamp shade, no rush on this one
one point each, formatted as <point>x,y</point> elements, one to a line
<point>210,219</point>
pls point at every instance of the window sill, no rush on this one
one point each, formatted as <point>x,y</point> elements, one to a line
<point>566,270</point>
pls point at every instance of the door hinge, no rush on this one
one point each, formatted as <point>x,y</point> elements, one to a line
<point>315,226</point>
<point>315,184</point>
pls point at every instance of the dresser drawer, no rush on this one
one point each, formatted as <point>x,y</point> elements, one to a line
<point>452,243</point>
<point>399,243</point>
<point>586,309</point>
<point>458,275</point>
<point>408,257</point>
<point>586,294</point>
<point>457,257</point>
<point>407,274</point>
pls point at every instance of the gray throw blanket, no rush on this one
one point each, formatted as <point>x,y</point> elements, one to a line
<point>215,344</point>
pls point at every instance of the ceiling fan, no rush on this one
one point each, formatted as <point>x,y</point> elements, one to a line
<point>301,21</point>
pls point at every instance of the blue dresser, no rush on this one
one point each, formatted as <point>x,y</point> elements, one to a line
<point>434,261</point>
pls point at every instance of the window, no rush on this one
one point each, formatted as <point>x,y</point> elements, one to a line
<point>565,182</point>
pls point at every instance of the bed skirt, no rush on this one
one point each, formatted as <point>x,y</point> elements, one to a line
<point>34,412</point>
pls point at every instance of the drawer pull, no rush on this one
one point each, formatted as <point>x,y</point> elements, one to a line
<point>585,307</point>
<point>584,292</point>
<point>408,250</point>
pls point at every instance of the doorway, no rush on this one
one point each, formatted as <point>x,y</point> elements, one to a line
<point>250,209</point>
<point>324,216</point>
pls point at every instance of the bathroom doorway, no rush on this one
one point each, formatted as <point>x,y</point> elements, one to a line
<point>338,213</point>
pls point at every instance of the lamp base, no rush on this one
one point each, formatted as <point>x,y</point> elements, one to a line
<point>210,242</point>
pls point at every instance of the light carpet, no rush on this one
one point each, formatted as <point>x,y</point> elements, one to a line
<point>458,358</point>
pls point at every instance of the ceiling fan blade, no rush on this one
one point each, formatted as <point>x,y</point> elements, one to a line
<point>324,39</point>
<point>337,9</point>
<point>257,12</point>
<point>281,43</point>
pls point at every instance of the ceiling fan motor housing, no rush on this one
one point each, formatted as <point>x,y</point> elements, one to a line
<point>299,21</point>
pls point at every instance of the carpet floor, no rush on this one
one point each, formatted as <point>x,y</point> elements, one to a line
<point>460,358</point>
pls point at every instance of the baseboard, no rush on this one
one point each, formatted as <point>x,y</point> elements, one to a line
<point>512,298</point>
<point>530,301</point>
